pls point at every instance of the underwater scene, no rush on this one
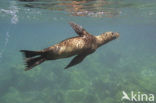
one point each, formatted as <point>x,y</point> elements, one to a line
<point>121,71</point>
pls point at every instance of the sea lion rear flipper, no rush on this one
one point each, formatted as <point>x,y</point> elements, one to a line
<point>28,53</point>
<point>32,58</point>
<point>32,62</point>
<point>78,29</point>
<point>76,60</point>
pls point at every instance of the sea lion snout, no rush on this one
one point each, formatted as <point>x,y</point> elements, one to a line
<point>115,34</point>
<point>110,35</point>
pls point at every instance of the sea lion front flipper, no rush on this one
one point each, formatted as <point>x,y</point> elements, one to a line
<point>78,29</point>
<point>76,60</point>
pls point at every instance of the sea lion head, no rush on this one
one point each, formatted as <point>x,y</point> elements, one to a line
<point>110,35</point>
<point>106,37</point>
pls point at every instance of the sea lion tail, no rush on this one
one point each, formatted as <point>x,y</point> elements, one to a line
<point>32,58</point>
<point>29,53</point>
<point>32,62</point>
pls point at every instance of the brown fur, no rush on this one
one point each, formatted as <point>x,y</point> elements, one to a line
<point>71,46</point>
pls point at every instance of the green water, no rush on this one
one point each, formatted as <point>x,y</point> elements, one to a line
<point>126,64</point>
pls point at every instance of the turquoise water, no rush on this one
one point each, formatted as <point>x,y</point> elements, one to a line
<point>126,64</point>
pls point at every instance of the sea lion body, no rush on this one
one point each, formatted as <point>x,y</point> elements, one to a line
<point>81,46</point>
<point>71,46</point>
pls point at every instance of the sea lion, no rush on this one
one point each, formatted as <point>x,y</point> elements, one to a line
<point>81,46</point>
